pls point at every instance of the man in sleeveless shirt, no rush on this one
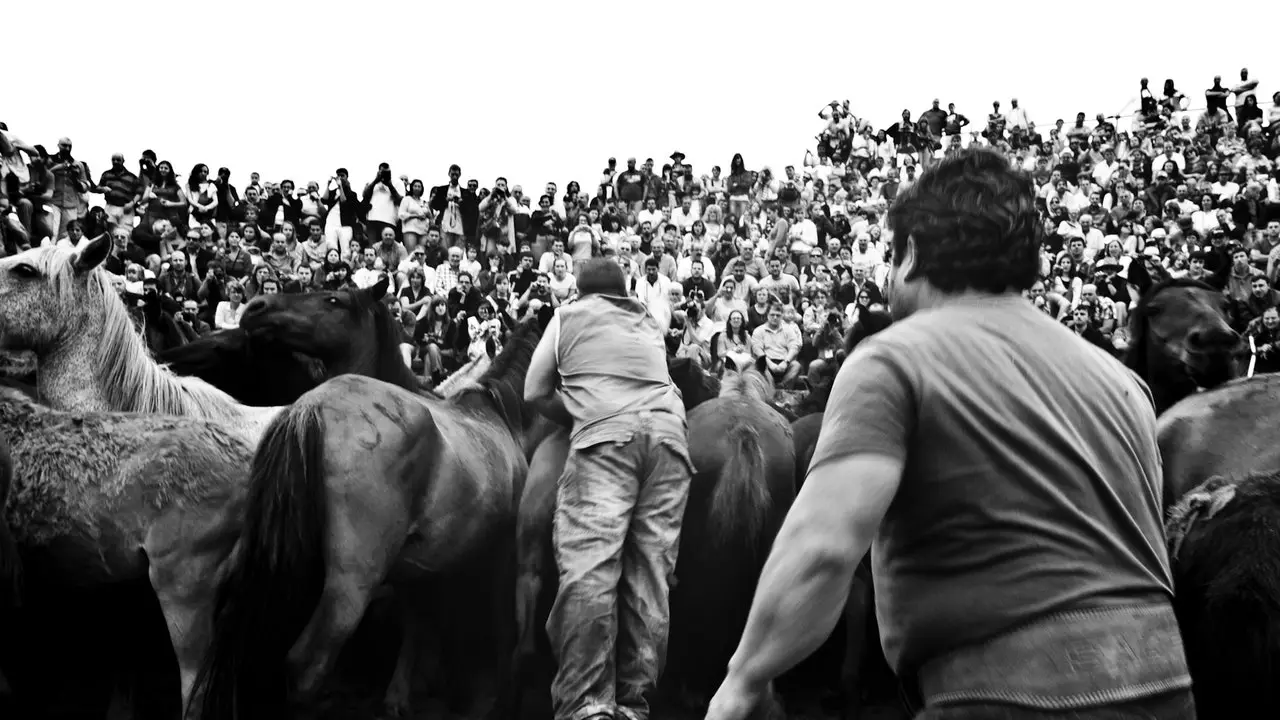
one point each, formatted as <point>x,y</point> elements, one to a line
<point>601,367</point>
<point>1008,473</point>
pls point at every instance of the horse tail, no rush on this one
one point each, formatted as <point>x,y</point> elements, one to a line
<point>740,498</point>
<point>10,562</point>
<point>272,592</point>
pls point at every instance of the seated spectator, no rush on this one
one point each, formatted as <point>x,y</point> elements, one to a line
<point>776,346</point>
<point>439,341</point>
<point>228,313</point>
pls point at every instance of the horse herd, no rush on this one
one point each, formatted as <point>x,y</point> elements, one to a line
<point>305,497</point>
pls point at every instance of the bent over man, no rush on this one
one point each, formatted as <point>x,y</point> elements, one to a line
<point>621,499</point>
<point>1009,474</point>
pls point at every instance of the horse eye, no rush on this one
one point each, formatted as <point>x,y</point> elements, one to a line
<point>333,301</point>
<point>23,270</point>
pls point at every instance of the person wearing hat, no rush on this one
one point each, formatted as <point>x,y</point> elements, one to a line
<point>1113,288</point>
<point>601,368</point>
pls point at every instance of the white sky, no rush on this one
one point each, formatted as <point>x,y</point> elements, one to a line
<point>540,91</point>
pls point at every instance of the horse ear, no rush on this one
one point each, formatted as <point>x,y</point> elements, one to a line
<point>729,364</point>
<point>378,289</point>
<point>91,254</point>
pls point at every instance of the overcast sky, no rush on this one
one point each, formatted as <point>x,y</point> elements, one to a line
<point>540,91</point>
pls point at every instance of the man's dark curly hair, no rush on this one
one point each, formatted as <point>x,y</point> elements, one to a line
<point>974,222</point>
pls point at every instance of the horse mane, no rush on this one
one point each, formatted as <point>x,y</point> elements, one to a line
<point>747,382</point>
<point>503,383</point>
<point>128,376</point>
<point>389,364</point>
<point>463,376</point>
<point>1135,357</point>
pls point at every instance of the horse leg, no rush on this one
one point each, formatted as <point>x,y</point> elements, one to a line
<point>186,554</point>
<point>398,701</point>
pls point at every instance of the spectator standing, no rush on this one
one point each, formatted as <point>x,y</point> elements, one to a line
<point>456,207</point>
<point>382,201</point>
<point>71,182</point>
<point>344,210</point>
<point>415,215</point>
<point>121,190</point>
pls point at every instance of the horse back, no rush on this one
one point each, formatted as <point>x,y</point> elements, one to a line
<point>1228,431</point>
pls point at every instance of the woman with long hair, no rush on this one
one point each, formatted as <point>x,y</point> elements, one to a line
<point>734,342</point>
<point>739,186</point>
<point>260,275</point>
<point>228,313</point>
<point>201,195</point>
<point>236,261</point>
<point>165,200</point>
<point>437,338</point>
<point>415,216</point>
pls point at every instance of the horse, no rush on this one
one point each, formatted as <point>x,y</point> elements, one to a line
<point>735,506</point>
<point>108,509</point>
<point>1225,556</point>
<point>58,303</point>
<point>432,490</point>
<point>1180,339</point>
<point>349,331</point>
<point>10,562</point>
<point>1220,491</point>
<point>257,371</point>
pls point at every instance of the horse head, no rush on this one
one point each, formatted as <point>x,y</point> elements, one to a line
<point>1180,339</point>
<point>749,381</point>
<point>47,295</point>
<point>348,330</point>
<point>695,384</point>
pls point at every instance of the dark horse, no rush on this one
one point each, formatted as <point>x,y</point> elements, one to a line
<point>741,491</point>
<point>255,371</point>
<point>1220,461</point>
<point>289,344</point>
<point>357,483</point>
<point>1179,337</point>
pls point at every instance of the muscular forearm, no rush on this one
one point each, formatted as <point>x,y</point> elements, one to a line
<point>781,630</point>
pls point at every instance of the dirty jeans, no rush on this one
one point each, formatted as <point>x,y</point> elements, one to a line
<point>1099,663</point>
<point>619,507</point>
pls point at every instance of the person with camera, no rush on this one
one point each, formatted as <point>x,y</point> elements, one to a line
<point>338,195</point>
<point>382,204</point>
<point>497,219</point>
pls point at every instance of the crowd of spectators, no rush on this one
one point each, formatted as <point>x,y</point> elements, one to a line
<point>743,264</point>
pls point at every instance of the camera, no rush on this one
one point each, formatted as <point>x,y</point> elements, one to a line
<point>833,318</point>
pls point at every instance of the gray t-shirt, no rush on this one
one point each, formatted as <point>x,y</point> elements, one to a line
<point>1031,481</point>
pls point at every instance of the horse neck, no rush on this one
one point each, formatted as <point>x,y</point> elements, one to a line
<point>104,366</point>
